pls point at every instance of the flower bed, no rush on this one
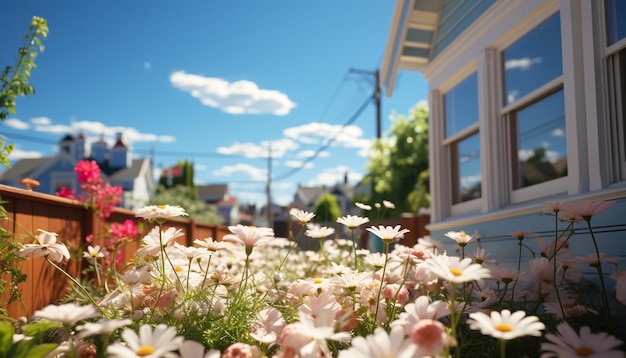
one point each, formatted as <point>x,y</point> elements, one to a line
<point>254,295</point>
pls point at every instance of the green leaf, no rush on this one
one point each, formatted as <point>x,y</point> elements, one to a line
<point>6,339</point>
<point>39,327</point>
<point>41,350</point>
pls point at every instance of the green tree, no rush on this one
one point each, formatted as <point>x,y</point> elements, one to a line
<point>184,177</point>
<point>180,195</point>
<point>14,83</point>
<point>15,78</point>
<point>327,208</point>
<point>398,167</point>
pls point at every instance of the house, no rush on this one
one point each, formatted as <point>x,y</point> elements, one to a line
<point>117,167</point>
<point>526,106</point>
<point>218,195</point>
<point>306,196</point>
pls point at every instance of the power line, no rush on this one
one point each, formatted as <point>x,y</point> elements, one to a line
<point>328,143</point>
<point>40,140</point>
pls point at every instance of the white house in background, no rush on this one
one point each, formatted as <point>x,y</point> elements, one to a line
<point>526,106</point>
<point>306,196</point>
<point>116,164</point>
<point>218,195</point>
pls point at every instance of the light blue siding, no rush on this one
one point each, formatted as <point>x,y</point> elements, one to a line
<point>609,230</point>
<point>456,16</point>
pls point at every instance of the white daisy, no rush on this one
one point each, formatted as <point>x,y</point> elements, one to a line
<point>300,215</point>
<point>352,221</point>
<point>103,326</point>
<point>319,232</point>
<point>455,269</point>
<point>46,245</point>
<point>162,342</point>
<point>506,325</point>
<point>460,237</point>
<point>193,349</point>
<point>387,233</point>
<point>160,212</point>
<point>68,314</point>
<point>249,236</point>
<point>380,345</point>
<point>93,252</point>
<point>569,344</point>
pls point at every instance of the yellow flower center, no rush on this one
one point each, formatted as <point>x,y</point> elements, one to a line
<point>317,281</point>
<point>456,271</point>
<point>504,327</point>
<point>178,269</point>
<point>161,206</point>
<point>145,351</point>
<point>94,253</point>
<point>584,351</point>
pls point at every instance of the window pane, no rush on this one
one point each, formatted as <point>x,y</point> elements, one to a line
<point>469,168</point>
<point>541,144</point>
<point>461,105</point>
<point>615,20</point>
<point>533,60</point>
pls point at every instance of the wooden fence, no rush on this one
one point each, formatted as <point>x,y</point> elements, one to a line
<point>29,211</point>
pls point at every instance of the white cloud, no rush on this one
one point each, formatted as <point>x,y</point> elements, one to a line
<point>239,97</point>
<point>200,167</point>
<point>18,154</point>
<point>316,132</point>
<point>247,170</point>
<point>298,164</point>
<point>521,63</point>
<point>41,121</point>
<point>97,129</point>
<point>332,176</point>
<point>551,155</point>
<point>147,65</point>
<point>559,132</point>
<point>253,150</point>
<point>311,153</point>
<point>17,124</point>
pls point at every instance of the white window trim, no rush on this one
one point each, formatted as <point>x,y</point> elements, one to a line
<point>615,143</point>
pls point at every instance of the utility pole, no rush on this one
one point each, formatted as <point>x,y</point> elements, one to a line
<point>268,188</point>
<point>377,95</point>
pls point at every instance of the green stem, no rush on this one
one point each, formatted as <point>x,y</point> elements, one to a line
<point>95,266</point>
<point>502,348</point>
<point>382,280</point>
<point>354,248</point>
<point>605,297</point>
<point>554,256</point>
<point>206,272</point>
<point>80,287</point>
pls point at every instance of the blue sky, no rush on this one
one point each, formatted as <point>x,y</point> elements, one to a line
<point>213,82</point>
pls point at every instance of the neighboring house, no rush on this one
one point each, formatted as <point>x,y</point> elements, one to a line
<point>116,164</point>
<point>217,194</point>
<point>526,106</point>
<point>306,197</point>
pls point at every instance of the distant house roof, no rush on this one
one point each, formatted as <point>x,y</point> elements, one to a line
<point>130,173</point>
<point>309,195</point>
<point>212,193</point>
<point>24,168</point>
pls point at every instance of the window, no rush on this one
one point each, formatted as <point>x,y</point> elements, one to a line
<point>615,11</point>
<point>534,106</point>
<point>463,141</point>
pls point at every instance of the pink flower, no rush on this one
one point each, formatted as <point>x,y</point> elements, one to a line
<point>249,236</point>
<point>87,170</point>
<point>586,208</point>
<point>620,286</point>
<point>66,193</point>
<point>127,230</point>
<point>242,350</point>
<point>431,337</point>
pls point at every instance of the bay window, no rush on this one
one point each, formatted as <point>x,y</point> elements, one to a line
<point>615,57</point>
<point>462,140</point>
<point>534,110</point>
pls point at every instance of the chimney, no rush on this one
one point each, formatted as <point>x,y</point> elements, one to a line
<point>345,178</point>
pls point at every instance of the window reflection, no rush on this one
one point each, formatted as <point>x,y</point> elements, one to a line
<point>615,20</point>
<point>461,105</point>
<point>541,143</point>
<point>533,60</point>
<point>470,180</point>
